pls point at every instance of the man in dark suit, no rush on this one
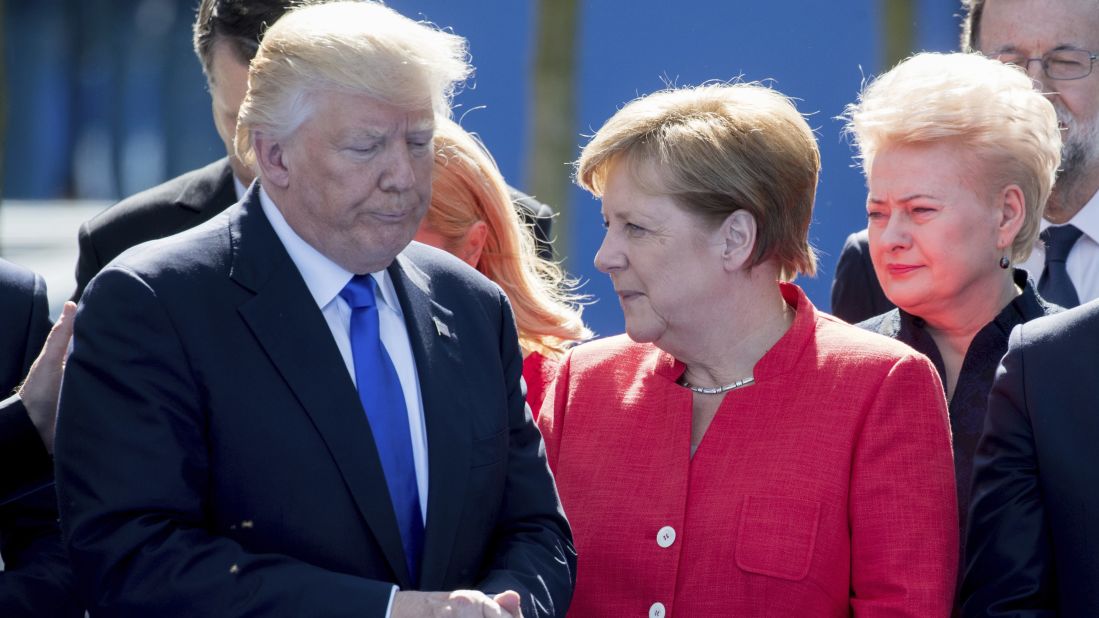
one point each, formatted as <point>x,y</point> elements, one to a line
<point>290,410</point>
<point>36,580</point>
<point>1057,42</point>
<point>226,36</point>
<point>1033,546</point>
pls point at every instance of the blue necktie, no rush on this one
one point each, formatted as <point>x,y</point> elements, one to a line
<point>383,400</point>
<point>1055,285</point>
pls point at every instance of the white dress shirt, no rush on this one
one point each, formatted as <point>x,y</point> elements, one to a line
<point>1083,260</point>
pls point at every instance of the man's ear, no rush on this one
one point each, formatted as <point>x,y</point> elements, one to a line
<point>474,243</point>
<point>738,233</point>
<point>271,160</point>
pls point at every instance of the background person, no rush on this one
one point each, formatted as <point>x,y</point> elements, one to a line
<point>959,154</point>
<point>36,579</point>
<point>1057,41</point>
<point>472,217</point>
<point>737,453</point>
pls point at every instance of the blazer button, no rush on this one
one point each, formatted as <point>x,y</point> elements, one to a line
<point>656,610</point>
<point>665,536</point>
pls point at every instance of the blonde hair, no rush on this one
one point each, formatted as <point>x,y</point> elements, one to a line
<point>359,47</point>
<point>985,107</point>
<point>720,148</point>
<point>466,188</point>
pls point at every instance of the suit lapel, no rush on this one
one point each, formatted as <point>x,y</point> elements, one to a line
<point>434,337</point>
<point>292,331</point>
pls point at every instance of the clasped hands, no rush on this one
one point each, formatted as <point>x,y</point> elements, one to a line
<point>457,604</point>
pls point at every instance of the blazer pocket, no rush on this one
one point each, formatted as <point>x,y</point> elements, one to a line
<point>777,535</point>
<point>489,450</point>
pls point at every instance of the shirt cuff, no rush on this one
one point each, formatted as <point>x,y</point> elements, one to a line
<point>389,608</point>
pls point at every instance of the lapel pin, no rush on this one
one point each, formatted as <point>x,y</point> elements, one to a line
<point>441,327</point>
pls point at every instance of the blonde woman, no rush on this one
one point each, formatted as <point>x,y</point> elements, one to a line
<point>960,154</point>
<point>472,217</point>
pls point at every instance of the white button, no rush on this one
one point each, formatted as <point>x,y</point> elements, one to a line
<point>656,610</point>
<point>666,536</point>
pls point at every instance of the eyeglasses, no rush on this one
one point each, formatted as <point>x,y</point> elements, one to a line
<point>1062,64</point>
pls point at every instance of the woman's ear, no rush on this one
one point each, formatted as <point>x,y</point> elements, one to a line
<point>474,243</point>
<point>1012,213</point>
<point>271,160</point>
<point>738,233</point>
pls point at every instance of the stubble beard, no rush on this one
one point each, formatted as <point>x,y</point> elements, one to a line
<point>1079,159</point>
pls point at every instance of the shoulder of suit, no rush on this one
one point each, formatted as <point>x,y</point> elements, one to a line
<point>206,247</point>
<point>445,269</point>
<point>870,340</point>
<point>194,189</point>
<point>1069,330</point>
<point>618,352</point>
<point>534,207</point>
<point>16,279</point>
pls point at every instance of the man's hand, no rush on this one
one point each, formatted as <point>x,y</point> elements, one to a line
<point>40,390</point>
<point>457,604</point>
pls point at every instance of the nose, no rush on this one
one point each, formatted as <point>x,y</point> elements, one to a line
<point>400,172</point>
<point>895,235</point>
<point>609,258</point>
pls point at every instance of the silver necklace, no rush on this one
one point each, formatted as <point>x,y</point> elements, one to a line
<point>714,390</point>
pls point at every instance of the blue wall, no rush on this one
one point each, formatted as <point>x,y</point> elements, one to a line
<point>68,69</point>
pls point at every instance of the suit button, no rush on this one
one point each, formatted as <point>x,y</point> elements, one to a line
<point>665,536</point>
<point>656,610</point>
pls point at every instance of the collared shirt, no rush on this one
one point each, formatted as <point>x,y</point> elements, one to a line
<point>1083,260</point>
<point>325,279</point>
<point>239,188</point>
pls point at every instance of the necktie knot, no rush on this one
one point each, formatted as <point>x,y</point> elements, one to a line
<point>359,292</point>
<point>1059,241</point>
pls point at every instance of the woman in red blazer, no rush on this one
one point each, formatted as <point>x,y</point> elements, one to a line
<point>738,453</point>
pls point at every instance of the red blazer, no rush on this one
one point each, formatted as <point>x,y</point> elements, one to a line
<point>824,489</point>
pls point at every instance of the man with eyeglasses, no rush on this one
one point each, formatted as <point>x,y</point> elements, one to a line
<point>1056,41</point>
<point>1032,542</point>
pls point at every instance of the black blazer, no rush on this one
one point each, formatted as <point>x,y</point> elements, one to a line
<point>213,458</point>
<point>856,293</point>
<point>176,205</point>
<point>1034,518</point>
<point>24,314</point>
<point>36,580</point>
<point>197,196</point>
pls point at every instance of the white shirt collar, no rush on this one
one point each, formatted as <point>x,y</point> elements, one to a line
<point>239,188</point>
<point>1086,219</point>
<point>323,277</point>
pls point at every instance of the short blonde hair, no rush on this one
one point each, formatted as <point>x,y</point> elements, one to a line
<point>466,188</point>
<point>987,108</point>
<point>720,148</point>
<point>359,47</point>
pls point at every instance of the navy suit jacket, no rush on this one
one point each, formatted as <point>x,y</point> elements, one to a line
<point>24,461</point>
<point>1033,535</point>
<point>196,197</point>
<point>213,458</point>
<point>36,580</point>
<point>856,293</point>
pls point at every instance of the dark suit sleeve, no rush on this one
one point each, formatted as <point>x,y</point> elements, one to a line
<point>856,293</point>
<point>24,461</point>
<point>134,480</point>
<point>532,550</point>
<point>1009,562</point>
